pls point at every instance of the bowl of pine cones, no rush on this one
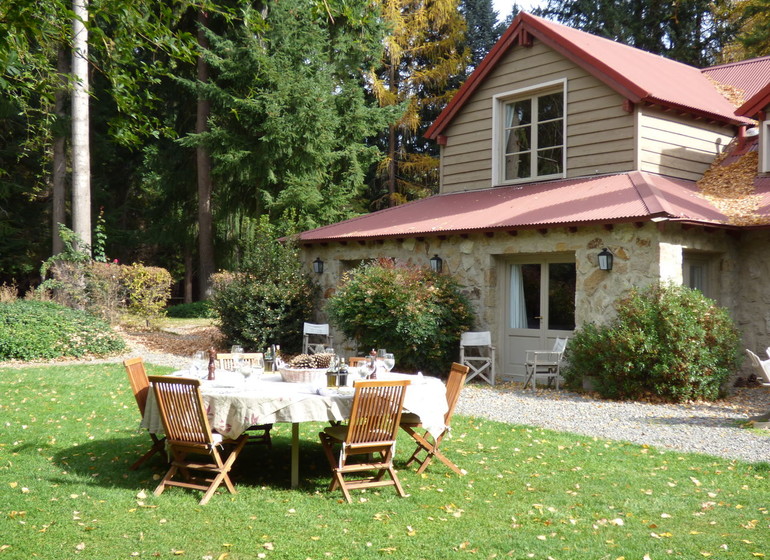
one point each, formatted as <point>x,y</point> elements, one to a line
<point>306,368</point>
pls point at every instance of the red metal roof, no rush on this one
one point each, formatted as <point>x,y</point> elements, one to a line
<point>628,197</point>
<point>637,75</point>
<point>750,76</point>
<point>756,103</point>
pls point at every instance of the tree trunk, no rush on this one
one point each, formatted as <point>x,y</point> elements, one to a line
<point>81,159</point>
<point>188,275</point>
<point>392,138</point>
<point>58,212</point>
<point>203,163</point>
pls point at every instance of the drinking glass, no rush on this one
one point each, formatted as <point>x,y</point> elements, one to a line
<point>367,369</point>
<point>236,351</point>
<point>198,363</point>
<point>389,361</point>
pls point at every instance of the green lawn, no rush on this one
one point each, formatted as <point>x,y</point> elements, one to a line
<point>69,435</point>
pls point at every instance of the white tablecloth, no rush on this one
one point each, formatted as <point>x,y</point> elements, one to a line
<point>233,405</point>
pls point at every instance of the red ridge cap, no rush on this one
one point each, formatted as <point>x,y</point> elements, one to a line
<point>651,197</point>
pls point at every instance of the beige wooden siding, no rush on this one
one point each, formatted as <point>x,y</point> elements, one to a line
<point>677,145</point>
<point>600,134</point>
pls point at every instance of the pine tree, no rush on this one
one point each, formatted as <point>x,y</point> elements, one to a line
<point>483,30</point>
<point>289,118</point>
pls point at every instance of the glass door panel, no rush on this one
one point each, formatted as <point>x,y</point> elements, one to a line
<point>540,307</point>
<point>561,296</point>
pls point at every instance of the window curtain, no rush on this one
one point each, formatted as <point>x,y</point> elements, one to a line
<point>518,310</point>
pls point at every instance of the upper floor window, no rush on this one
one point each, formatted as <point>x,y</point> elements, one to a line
<point>530,135</point>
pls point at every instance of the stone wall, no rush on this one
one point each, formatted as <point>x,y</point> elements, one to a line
<point>643,254</point>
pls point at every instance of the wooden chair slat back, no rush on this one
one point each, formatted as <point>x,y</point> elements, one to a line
<point>137,377</point>
<point>454,386</point>
<point>226,361</point>
<point>181,409</point>
<point>376,411</point>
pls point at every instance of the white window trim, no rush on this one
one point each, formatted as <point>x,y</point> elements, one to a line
<point>498,113</point>
<point>764,147</point>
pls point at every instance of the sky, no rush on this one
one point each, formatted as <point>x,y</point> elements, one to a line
<point>503,7</point>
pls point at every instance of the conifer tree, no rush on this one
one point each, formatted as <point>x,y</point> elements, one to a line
<point>483,29</point>
<point>424,54</point>
<point>688,31</point>
<point>752,19</point>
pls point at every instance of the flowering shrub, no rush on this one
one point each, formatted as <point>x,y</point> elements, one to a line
<point>668,342</point>
<point>413,312</point>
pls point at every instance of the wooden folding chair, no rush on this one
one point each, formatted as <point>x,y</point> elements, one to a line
<point>226,361</point>
<point>411,423</point>
<point>137,376</point>
<point>259,433</point>
<point>316,338</point>
<point>477,352</point>
<point>188,434</point>
<point>545,363</point>
<point>373,428</point>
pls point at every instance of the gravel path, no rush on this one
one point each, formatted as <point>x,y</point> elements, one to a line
<point>711,428</point>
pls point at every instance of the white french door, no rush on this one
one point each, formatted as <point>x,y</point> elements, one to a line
<point>539,306</point>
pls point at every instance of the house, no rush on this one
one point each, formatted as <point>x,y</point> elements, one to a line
<point>563,144</point>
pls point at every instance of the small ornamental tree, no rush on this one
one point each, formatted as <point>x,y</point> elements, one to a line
<point>413,312</point>
<point>268,299</point>
<point>667,342</point>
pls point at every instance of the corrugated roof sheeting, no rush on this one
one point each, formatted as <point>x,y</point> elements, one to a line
<point>613,198</point>
<point>748,75</point>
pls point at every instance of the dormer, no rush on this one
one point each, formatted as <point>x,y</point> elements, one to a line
<point>550,102</point>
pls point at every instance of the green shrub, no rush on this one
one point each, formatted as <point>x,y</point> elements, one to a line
<point>667,342</point>
<point>268,299</point>
<point>34,330</point>
<point>194,310</point>
<point>101,288</point>
<point>147,290</point>
<point>413,312</point>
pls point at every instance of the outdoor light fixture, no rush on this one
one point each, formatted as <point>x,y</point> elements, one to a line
<point>605,260</point>
<point>318,265</point>
<point>436,263</point>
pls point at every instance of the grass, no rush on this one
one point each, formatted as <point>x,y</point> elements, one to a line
<point>69,435</point>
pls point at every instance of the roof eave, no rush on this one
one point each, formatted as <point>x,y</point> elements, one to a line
<point>658,217</point>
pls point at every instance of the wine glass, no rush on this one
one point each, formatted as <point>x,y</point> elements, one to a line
<point>389,361</point>
<point>198,363</point>
<point>237,352</point>
<point>367,368</point>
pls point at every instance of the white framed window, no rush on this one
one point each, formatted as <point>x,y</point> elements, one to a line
<point>529,134</point>
<point>764,146</point>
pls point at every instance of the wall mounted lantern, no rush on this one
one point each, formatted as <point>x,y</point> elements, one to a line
<point>436,263</point>
<point>318,265</point>
<point>605,260</point>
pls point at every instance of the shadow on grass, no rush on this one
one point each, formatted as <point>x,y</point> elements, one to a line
<point>106,462</point>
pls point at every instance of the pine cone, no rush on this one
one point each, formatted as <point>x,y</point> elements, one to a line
<point>323,360</point>
<point>301,361</point>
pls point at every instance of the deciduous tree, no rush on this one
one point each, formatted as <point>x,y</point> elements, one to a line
<point>424,55</point>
